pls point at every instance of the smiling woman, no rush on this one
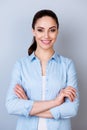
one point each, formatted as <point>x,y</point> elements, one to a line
<point>45,32</point>
<point>43,91</point>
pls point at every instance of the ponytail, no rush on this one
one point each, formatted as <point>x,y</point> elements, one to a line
<point>33,47</point>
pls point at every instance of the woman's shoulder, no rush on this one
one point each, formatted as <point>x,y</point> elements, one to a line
<point>65,59</point>
<point>67,62</point>
<point>23,60</point>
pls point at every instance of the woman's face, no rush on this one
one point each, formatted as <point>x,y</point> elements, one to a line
<point>45,32</point>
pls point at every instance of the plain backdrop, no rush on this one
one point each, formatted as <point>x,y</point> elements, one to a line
<point>16,36</point>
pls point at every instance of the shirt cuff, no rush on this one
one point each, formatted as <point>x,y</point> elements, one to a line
<point>28,107</point>
<point>55,113</point>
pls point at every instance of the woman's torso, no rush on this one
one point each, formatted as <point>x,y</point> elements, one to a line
<point>31,80</point>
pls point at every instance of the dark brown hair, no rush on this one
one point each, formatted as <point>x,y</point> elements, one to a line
<point>38,15</point>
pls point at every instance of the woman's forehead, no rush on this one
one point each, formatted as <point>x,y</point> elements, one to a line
<point>46,21</point>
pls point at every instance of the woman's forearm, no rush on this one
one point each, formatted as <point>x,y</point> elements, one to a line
<point>42,106</point>
<point>45,114</point>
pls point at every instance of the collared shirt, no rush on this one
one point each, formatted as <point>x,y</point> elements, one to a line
<point>60,73</point>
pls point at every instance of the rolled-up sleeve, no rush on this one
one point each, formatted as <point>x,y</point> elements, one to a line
<point>68,109</point>
<point>15,105</point>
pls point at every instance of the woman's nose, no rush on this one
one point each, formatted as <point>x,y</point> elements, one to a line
<point>46,34</point>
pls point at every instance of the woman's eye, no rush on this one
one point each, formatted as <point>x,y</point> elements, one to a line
<point>40,30</point>
<point>53,30</point>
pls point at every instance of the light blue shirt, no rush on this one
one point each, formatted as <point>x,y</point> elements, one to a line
<point>60,73</point>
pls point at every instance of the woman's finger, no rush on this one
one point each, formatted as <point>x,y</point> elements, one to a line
<point>19,88</point>
<point>70,88</point>
<point>72,92</point>
<point>20,91</point>
<point>69,94</point>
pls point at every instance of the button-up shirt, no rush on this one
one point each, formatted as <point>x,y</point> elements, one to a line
<point>27,72</point>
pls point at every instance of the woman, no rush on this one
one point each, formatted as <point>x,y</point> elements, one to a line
<point>43,91</point>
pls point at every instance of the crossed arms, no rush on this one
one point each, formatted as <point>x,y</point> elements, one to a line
<point>65,105</point>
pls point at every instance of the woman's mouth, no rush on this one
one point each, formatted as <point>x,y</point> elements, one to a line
<point>46,41</point>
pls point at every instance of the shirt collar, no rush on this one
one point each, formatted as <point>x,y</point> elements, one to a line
<point>32,57</point>
<point>55,57</point>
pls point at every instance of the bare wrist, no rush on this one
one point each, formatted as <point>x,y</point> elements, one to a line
<point>58,101</point>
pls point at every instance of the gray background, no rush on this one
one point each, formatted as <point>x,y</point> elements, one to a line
<point>16,36</point>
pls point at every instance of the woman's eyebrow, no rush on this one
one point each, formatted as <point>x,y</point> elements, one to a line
<point>52,27</point>
<point>44,28</point>
<point>40,27</point>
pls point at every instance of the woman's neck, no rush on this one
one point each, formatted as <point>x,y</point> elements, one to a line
<point>44,55</point>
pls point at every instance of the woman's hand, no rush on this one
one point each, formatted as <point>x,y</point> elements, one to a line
<point>19,91</point>
<point>68,92</point>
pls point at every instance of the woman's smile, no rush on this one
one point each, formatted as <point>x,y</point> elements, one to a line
<point>46,42</point>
